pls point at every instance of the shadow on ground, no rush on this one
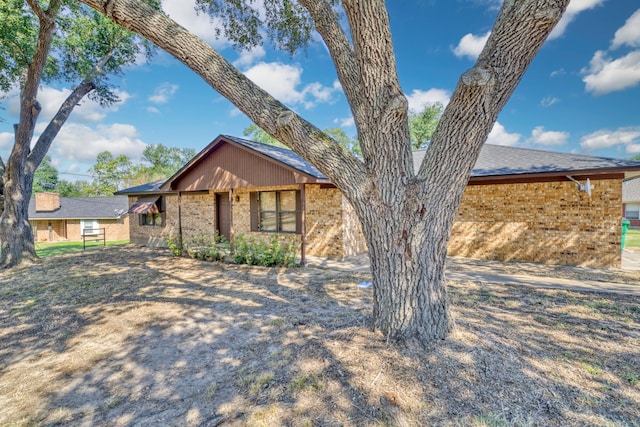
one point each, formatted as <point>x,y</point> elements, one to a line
<point>130,336</point>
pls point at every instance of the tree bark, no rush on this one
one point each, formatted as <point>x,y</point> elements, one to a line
<point>406,216</point>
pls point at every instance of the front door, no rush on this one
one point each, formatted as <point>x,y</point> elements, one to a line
<point>223,215</point>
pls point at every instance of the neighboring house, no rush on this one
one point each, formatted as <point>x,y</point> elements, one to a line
<point>54,218</point>
<point>631,201</point>
<point>520,204</point>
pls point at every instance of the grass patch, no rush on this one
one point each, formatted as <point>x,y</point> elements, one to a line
<point>302,382</point>
<point>632,239</point>
<point>60,248</point>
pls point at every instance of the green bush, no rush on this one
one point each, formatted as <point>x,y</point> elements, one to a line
<point>175,245</point>
<point>205,248</point>
<point>269,253</point>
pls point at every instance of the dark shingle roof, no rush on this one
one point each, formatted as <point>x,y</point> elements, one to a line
<point>84,208</point>
<point>144,188</point>
<point>283,155</point>
<point>631,190</point>
<point>494,160</point>
<point>498,160</point>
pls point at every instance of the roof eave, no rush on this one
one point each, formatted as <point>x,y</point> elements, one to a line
<point>601,173</point>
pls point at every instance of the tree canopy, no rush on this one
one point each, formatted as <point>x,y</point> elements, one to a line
<point>45,177</point>
<point>51,41</point>
<point>406,214</point>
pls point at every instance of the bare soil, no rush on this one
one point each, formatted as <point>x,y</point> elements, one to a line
<point>127,336</point>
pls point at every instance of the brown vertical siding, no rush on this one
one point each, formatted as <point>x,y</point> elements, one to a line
<point>232,167</point>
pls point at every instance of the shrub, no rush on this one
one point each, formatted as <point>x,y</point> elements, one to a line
<point>205,248</point>
<point>175,245</point>
<point>269,253</point>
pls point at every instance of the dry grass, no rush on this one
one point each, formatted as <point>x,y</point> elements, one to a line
<point>129,336</point>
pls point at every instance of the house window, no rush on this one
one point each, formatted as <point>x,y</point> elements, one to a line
<point>152,219</point>
<point>632,211</point>
<point>150,211</point>
<point>276,211</point>
<point>89,227</point>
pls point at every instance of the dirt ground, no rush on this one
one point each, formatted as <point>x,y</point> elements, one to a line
<point>127,336</point>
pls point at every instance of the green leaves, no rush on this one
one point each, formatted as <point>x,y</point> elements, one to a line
<point>423,124</point>
<point>287,24</point>
<point>86,46</point>
<point>45,177</point>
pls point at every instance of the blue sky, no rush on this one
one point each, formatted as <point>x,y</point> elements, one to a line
<point>580,95</point>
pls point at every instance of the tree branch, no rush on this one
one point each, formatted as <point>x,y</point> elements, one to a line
<point>279,121</point>
<point>520,30</point>
<point>383,112</point>
<point>47,137</point>
<point>29,106</point>
<point>339,47</point>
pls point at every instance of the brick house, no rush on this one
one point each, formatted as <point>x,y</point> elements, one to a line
<point>631,201</point>
<point>520,204</point>
<point>54,218</point>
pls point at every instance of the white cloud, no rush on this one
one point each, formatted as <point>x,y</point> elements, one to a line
<point>633,148</point>
<point>80,143</point>
<point>605,138</point>
<point>606,75</point>
<point>548,138</point>
<point>282,81</point>
<point>163,92</point>
<point>153,110</point>
<point>629,33</point>
<point>499,136</point>
<point>51,99</point>
<point>471,45</point>
<point>6,140</point>
<point>574,8</point>
<point>549,101</point>
<point>559,72</point>
<point>419,98</point>
<point>345,122</point>
<point>183,12</point>
<point>249,57</point>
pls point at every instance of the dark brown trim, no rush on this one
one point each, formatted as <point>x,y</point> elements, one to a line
<point>180,216</point>
<point>544,177</point>
<point>230,217</point>
<point>303,226</point>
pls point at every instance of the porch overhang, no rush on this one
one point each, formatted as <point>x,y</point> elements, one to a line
<point>145,205</point>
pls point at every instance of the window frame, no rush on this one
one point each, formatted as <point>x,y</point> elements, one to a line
<point>94,230</point>
<point>156,219</point>
<point>635,207</point>
<point>258,213</point>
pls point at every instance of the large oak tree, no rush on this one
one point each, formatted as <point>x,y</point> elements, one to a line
<point>406,214</point>
<point>43,41</point>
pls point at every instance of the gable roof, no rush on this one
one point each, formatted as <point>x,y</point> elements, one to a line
<point>502,161</point>
<point>495,163</point>
<point>282,155</point>
<point>84,208</point>
<point>631,190</point>
<point>281,158</point>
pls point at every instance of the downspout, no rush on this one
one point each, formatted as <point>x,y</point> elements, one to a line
<point>303,226</point>
<point>230,220</point>
<point>180,216</point>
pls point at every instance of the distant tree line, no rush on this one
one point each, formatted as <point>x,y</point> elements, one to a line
<point>111,173</point>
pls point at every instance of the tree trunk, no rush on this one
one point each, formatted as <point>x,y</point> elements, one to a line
<point>409,288</point>
<point>16,237</point>
<point>406,216</point>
